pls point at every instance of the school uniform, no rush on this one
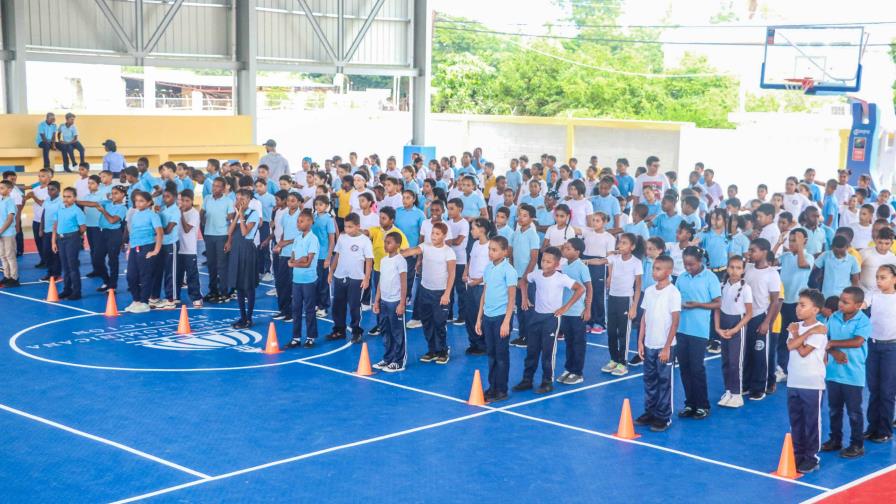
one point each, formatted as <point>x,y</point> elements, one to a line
<point>393,330</point>
<point>805,388</point>
<point>92,219</point>
<point>68,241</point>
<point>433,282</point>
<point>846,382</point>
<point>739,244</point>
<point>353,252</point>
<point>186,256</point>
<point>477,263</point>
<point>304,287</point>
<point>543,327</point>
<point>323,227</point>
<point>163,275</point>
<point>619,300</point>
<point>666,226</point>
<point>637,229</point>
<point>693,333</point>
<point>658,306</point>
<point>289,225</point>
<point>242,264</point>
<point>522,244</point>
<point>598,245</point>
<point>795,279</point>
<point>756,360</point>
<point>571,324</point>
<point>607,204</point>
<point>458,293</point>
<point>881,364</point>
<point>50,208</point>
<point>109,242</point>
<point>36,222</point>
<point>143,225</point>
<point>267,201</point>
<point>735,297</point>
<point>409,222</point>
<point>838,272</point>
<point>497,279</point>
<point>217,212</point>
<point>8,239</point>
<point>557,237</point>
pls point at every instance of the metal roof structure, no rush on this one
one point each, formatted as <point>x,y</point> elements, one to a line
<point>367,37</point>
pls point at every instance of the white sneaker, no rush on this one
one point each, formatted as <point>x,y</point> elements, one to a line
<point>609,367</point>
<point>726,397</point>
<point>272,292</point>
<point>155,303</point>
<point>197,303</point>
<point>414,324</point>
<point>267,277</point>
<point>780,375</point>
<point>393,367</point>
<point>575,379</point>
<point>564,377</point>
<point>620,370</point>
<point>321,313</point>
<point>380,365</point>
<point>140,308</point>
<point>365,307</point>
<point>130,307</point>
<point>166,305</point>
<point>736,401</point>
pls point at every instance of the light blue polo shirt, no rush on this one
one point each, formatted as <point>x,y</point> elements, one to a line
<point>853,372</point>
<point>523,243</point>
<point>580,273</point>
<point>114,162</point>
<point>67,132</point>
<point>114,209</point>
<point>51,207</point>
<point>322,227</point>
<point>537,202</point>
<point>544,217</point>
<point>303,246</point>
<point>506,232</point>
<point>666,226</point>
<point>473,205</point>
<point>514,179</point>
<point>208,183</point>
<point>93,214</point>
<point>607,204</point>
<point>693,219</point>
<point>166,216</point>
<point>830,209</point>
<point>837,272</point>
<point>252,216</point>
<point>701,288</point>
<point>184,183</point>
<point>409,222</point>
<point>738,245</point>
<point>143,228</point>
<point>69,219</point>
<point>290,225</point>
<point>497,279</point>
<point>48,130</point>
<point>817,238</point>
<point>653,208</point>
<point>267,205</point>
<point>639,229</point>
<point>8,207</point>
<point>716,246</point>
<point>216,212</point>
<point>647,274</point>
<point>626,184</point>
<point>793,277</point>
<point>511,220</point>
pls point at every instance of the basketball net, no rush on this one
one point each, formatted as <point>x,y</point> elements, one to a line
<point>805,84</point>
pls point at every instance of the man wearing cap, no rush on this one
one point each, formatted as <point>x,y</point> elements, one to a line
<point>46,137</point>
<point>277,164</point>
<point>113,161</point>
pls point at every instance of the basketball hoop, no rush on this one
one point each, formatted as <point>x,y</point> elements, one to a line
<point>806,84</point>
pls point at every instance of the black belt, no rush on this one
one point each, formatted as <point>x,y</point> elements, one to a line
<point>883,342</point>
<point>64,236</point>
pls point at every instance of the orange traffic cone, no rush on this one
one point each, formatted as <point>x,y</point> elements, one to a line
<point>52,293</point>
<point>364,362</point>
<point>626,428</point>
<point>786,465</point>
<point>273,345</point>
<point>111,307</point>
<point>476,396</point>
<point>183,327</point>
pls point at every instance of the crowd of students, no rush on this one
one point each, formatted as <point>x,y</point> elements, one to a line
<point>566,250</point>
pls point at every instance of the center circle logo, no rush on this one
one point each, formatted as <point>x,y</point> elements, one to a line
<point>149,342</point>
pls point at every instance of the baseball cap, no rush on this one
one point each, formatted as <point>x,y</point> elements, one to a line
<point>270,143</point>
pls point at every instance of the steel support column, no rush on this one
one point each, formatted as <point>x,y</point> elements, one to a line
<point>422,47</point>
<point>246,56</point>
<point>15,36</point>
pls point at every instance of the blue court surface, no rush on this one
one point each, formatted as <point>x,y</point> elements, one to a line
<point>97,409</point>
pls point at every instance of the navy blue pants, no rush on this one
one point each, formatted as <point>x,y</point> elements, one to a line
<point>163,273</point>
<point>841,395</point>
<point>283,284</point>
<point>54,267</point>
<point>573,329</point>
<point>434,318</point>
<point>394,336</point>
<point>618,327</point>
<point>186,266</point>
<point>522,316</point>
<point>69,246</point>
<point>498,351</point>
<point>347,298</point>
<point>108,249</point>
<point>140,273</point>
<point>788,315</point>
<point>598,282</point>
<point>304,299</point>
<point>68,153</point>
<point>756,357</point>
<point>411,276</point>
<point>458,292</point>
<point>93,241</point>
<point>45,147</point>
<point>690,351</point>
<point>38,240</point>
<point>541,344</point>
<point>264,253</point>
<point>658,383</point>
<point>217,263</point>
<point>804,408</point>
<point>880,370</point>
<point>732,354</point>
<point>323,286</point>
<point>473,295</point>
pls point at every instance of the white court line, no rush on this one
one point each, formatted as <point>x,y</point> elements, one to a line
<point>104,441</point>
<point>665,449</point>
<point>29,298</point>
<point>841,488</point>
<point>305,456</point>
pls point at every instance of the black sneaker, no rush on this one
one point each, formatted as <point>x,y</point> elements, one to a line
<point>295,343</point>
<point>687,412</point>
<point>309,343</point>
<point>279,316</point>
<point>831,445</point>
<point>523,385</point>
<point>636,360</point>
<point>714,347</point>
<point>102,288</point>
<point>11,282</point>
<point>442,358</point>
<point>880,438</point>
<point>92,274</point>
<point>288,319</point>
<point>428,357</point>
<point>700,413</point>
<point>457,321</point>
<point>518,342</point>
<point>644,419</point>
<point>333,336</point>
<point>772,388</point>
<point>545,387</point>
<point>867,435</point>
<point>72,297</point>
<point>474,351</point>
<point>757,396</point>
<point>498,397</point>
<point>210,297</point>
<point>852,451</point>
<point>807,467</point>
<point>45,278</point>
<point>356,339</point>
<point>659,425</point>
<point>376,331</point>
<point>239,324</point>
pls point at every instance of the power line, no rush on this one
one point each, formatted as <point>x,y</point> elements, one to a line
<point>636,41</point>
<point>684,26</point>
